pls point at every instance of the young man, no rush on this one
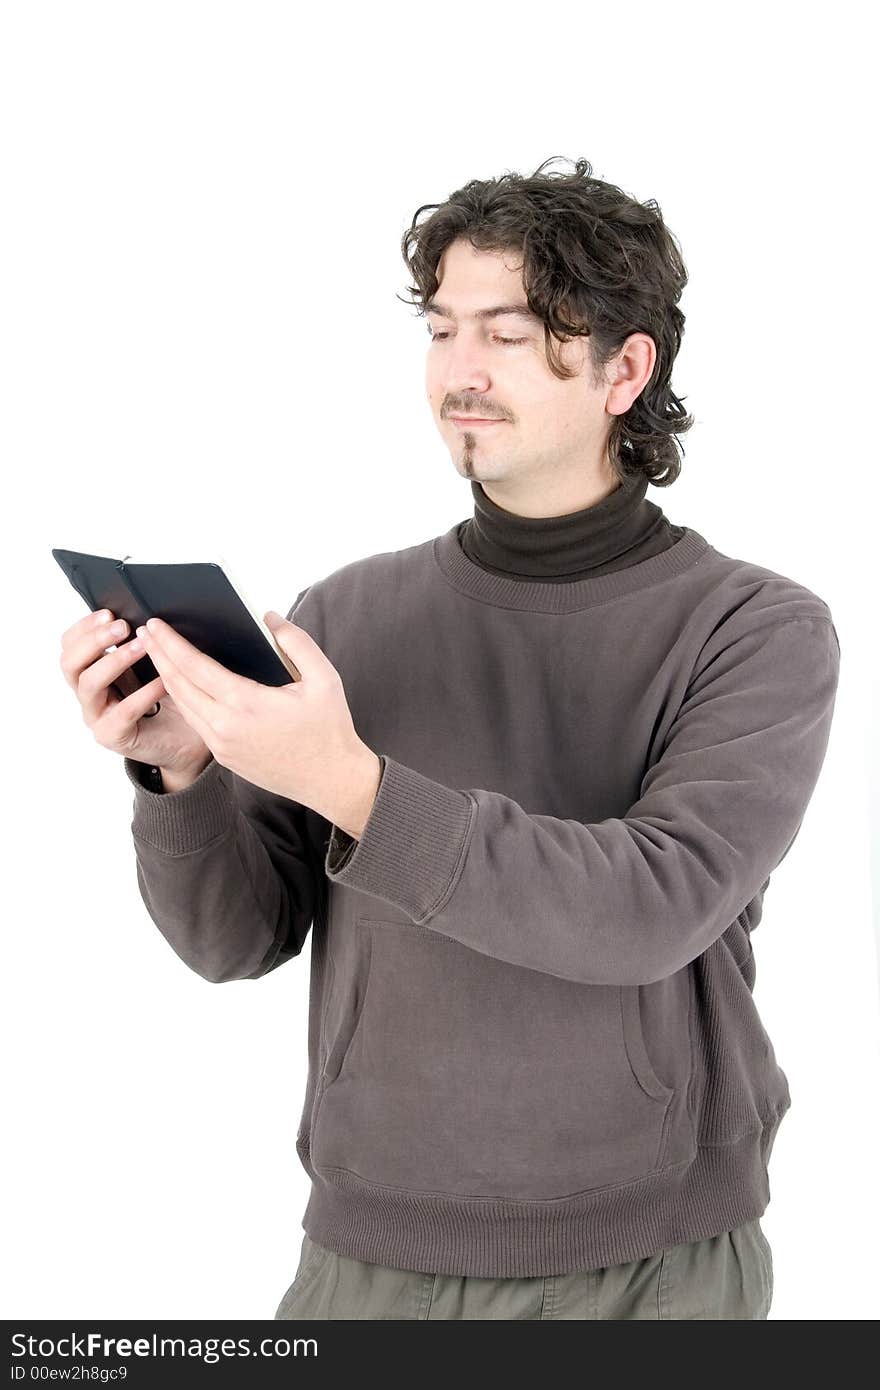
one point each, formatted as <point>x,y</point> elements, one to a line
<point>538,1085</point>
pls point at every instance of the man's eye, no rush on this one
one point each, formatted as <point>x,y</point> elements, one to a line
<point>511,342</point>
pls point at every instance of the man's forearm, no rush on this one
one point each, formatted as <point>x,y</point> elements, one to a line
<point>350,796</point>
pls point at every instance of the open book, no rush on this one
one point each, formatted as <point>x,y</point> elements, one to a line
<point>199,600</point>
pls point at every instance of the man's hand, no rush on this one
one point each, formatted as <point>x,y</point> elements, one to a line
<point>297,740</point>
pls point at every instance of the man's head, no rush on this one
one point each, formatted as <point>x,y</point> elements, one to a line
<point>578,381</point>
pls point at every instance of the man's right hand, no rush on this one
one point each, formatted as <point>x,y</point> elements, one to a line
<point>166,741</point>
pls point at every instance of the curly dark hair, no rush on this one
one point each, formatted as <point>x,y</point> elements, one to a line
<point>596,263</point>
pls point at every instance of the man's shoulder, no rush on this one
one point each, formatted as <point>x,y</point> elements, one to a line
<point>747,586</point>
<point>728,584</point>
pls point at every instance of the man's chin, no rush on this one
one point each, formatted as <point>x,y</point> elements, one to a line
<point>476,469</point>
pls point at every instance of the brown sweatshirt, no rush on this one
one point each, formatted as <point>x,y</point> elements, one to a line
<point>533,1045</point>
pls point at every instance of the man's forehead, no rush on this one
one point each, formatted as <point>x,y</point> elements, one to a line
<point>479,283</point>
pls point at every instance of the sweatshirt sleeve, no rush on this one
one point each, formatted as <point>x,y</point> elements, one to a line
<point>225,870</point>
<point>633,899</point>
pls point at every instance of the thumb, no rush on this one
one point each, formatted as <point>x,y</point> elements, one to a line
<point>296,643</point>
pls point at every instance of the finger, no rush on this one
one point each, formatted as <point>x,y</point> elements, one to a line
<point>85,625</point>
<point>201,671</point>
<point>90,677</point>
<point>81,651</point>
<point>197,708</point>
<point>299,645</point>
<point>136,703</point>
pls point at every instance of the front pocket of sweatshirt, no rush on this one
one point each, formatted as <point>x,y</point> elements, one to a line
<point>462,1074</point>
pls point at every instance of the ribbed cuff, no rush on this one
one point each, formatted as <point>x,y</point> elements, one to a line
<point>413,845</point>
<point>184,821</point>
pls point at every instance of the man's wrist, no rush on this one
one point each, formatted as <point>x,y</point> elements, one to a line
<point>173,781</point>
<point>358,793</point>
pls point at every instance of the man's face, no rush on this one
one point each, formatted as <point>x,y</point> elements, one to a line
<point>541,425</point>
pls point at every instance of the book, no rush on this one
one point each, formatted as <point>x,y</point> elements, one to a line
<point>199,599</point>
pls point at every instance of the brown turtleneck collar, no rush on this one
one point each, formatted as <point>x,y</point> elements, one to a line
<point>619,531</point>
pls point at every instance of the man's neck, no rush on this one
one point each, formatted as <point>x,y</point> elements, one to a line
<point>618,529</point>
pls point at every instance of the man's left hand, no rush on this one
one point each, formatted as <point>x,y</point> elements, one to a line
<point>296,740</point>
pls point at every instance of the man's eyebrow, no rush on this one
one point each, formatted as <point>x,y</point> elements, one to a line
<point>520,310</point>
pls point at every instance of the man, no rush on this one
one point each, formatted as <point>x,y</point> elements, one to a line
<point>527,796</point>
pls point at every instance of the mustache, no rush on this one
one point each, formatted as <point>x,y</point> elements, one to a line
<point>473,414</point>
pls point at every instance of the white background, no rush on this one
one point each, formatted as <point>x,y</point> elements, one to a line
<point>203,354</point>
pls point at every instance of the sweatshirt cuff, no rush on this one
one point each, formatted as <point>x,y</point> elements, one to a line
<point>413,845</point>
<point>185,821</point>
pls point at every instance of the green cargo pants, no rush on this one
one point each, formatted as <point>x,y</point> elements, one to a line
<point>723,1277</point>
